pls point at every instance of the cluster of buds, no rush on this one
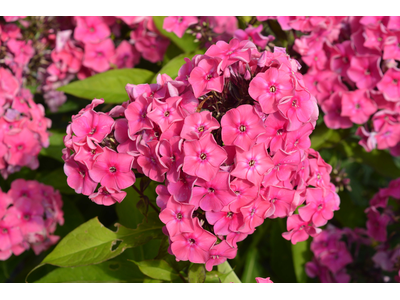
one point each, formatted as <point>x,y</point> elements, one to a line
<point>229,137</point>
<point>29,214</point>
<point>332,255</point>
<point>353,72</point>
<point>23,127</point>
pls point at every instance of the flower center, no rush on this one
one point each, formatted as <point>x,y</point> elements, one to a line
<point>320,207</point>
<point>273,200</point>
<point>192,241</point>
<point>26,217</point>
<point>272,89</point>
<point>358,106</point>
<point>113,169</point>
<point>5,230</point>
<point>252,163</point>
<point>253,211</point>
<point>294,103</point>
<point>242,128</point>
<point>203,156</point>
<point>211,190</point>
<point>315,58</point>
<point>180,19</point>
<point>20,147</point>
<point>201,128</point>
<point>229,214</point>
<point>92,131</point>
<point>208,77</point>
<point>166,114</point>
<point>367,72</point>
<point>91,29</point>
<point>279,132</point>
<point>395,81</point>
<point>179,216</point>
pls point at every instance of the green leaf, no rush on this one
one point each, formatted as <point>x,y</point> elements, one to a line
<point>229,275</point>
<point>92,243</point>
<point>115,270</point>
<point>380,160</point>
<point>324,137</point>
<point>173,66</point>
<point>157,269</point>
<point>213,277</point>
<point>301,254</point>
<point>252,268</point>
<point>56,146</point>
<point>109,85</point>
<point>186,43</point>
<point>197,273</point>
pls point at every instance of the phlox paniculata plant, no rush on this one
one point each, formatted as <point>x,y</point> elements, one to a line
<point>228,140</point>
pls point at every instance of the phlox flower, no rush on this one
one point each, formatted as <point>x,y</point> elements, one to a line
<point>203,157</point>
<point>198,124</point>
<point>91,29</point>
<point>98,56</point>
<point>254,214</point>
<point>205,78</point>
<point>358,106</point>
<point>178,217</point>
<point>263,280</point>
<point>178,25</point>
<point>78,177</point>
<point>193,246</point>
<point>241,126</point>
<point>390,84</point>
<point>219,254</point>
<point>299,230</point>
<point>107,196</point>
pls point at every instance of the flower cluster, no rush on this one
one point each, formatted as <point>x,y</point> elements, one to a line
<point>60,49</point>
<point>210,29</point>
<point>206,30</point>
<point>332,255</point>
<point>353,72</point>
<point>230,139</point>
<point>23,127</point>
<point>29,214</point>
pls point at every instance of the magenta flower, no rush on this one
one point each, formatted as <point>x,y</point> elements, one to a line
<point>198,124</point>
<point>23,147</point>
<point>263,280</point>
<point>241,126</point>
<point>275,132</point>
<point>299,230</point>
<point>150,162</point>
<point>136,114</point>
<point>376,224</point>
<point>107,196</point>
<point>320,206</point>
<point>193,246</point>
<point>332,108</point>
<point>282,166</point>
<point>390,84</point>
<point>252,164</point>
<point>214,194</point>
<point>219,254</point>
<point>178,25</point>
<point>78,177</point>
<point>91,125</point>
<point>182,189</point>
<point>224,221</point>
<point>297,109</point>
<point>365,71</point>
<point>91,29</point>
<point>245,193</point>
<point>203,158</point>
<point>269,87</point>
<point>164,113</point>
<point>231,53</point>
<point>281,200</point>
<point>98,56</point>
<point>254,214</point>
<point>178,217</point>
<point>113,170</point>
<point>126,56</point>
<point>171,157</point>
<point>205,78</point>
<point>358,106</point>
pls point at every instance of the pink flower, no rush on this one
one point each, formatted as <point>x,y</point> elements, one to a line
<point>193,246</point>
<point>136,114</point>
<point>78,177</point>
<point>298,109</point>
<point>203,157</point>
<point>231,53</point>
<point>178,217</point>
<point>269,87</point>
<point>241,126</point>
<point>376,224</point>
<point>282,166</point>
<point>126,56</point>
<point>254,214</point>
<point>252,164</point>
<point>299,230</point>
<point>263,280</point>
<point>320,206</point>
<point>113,170</point>
<point>9,85</point>
<point>214,194</point>
<point>358,106</point>
<point>198,124</point>
<point>107,196</point>
<point>365,71</point>
<point>219,254</point>
<point>98,56</point>
<point>164,113</point>
<point>150,162</point>
<point>205,78</point>
<point>92,126</point>
<point>178,25</point>
<point>91,30</point>
<point>333,112</point>
<point>390,84</point>
<point>224,221</point>
<point>281,200</point>
<point>171,157</point>
<point>245,193</point>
